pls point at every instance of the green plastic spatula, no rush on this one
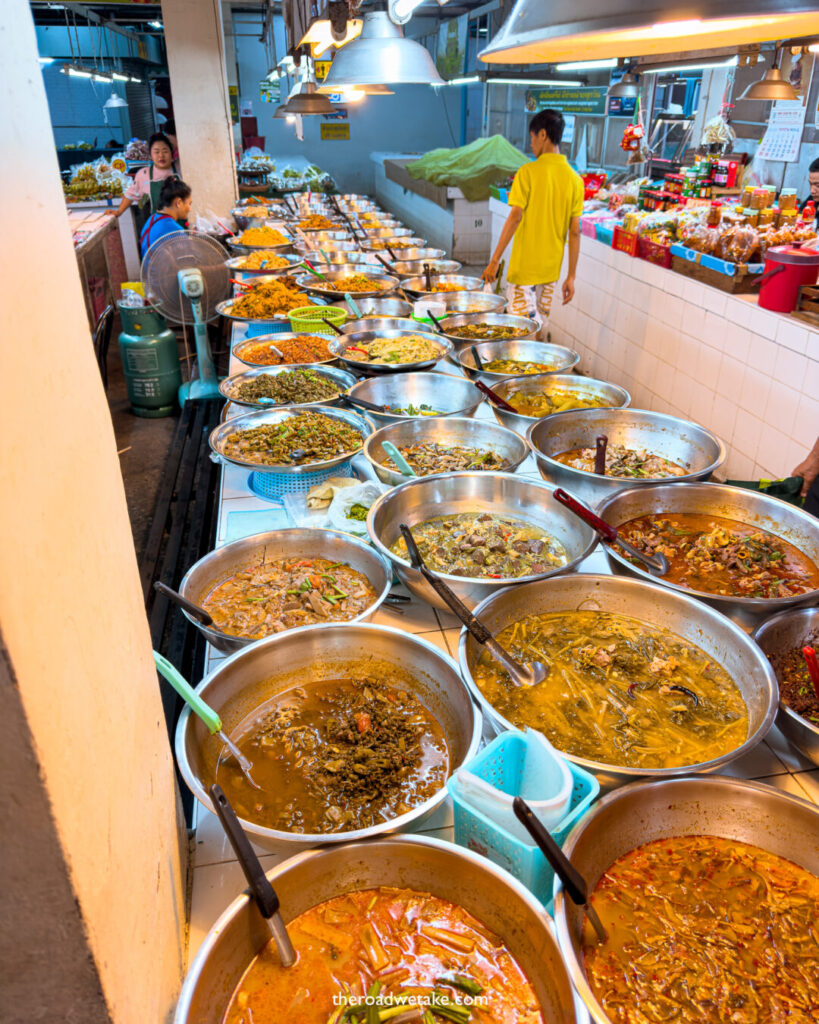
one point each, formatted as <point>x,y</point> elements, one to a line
<point>203,710</point>
<point>397,458</point>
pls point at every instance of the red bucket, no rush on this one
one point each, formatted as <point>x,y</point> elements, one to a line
<point>787,268</point>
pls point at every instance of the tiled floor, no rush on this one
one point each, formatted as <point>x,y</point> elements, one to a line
<point>217,878</point>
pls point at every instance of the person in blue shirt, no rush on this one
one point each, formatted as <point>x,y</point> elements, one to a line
<point>172,215</point>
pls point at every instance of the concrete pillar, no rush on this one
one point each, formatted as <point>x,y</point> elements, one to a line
<point>93,846</point>
<point>196,61</point>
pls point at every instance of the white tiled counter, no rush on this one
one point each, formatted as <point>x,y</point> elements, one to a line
<point>688,349</point>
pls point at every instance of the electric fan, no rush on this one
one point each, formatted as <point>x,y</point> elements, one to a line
<point>184,276</point>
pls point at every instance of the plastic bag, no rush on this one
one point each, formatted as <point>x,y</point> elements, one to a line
<point>738,244</point>
<point>349,505</point>
<point>211,224</point>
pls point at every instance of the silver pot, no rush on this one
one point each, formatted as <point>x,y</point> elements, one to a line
<point>778,517</point>
<point>218,565</point>
<point>241,349</point>
<point>230,385</point>
<point>414,268</point>
<point>483,435</point>
<point>498,319</point>
<point>252,676</point>
<point>379,324</point>
<point>420,863</point>
<point>678,440</point>
<point>798,627</point>
<point>311,283</point>
<point>320,240</point>
<point>417,286</point>
<point>747,812</point>
<point>241,249</point>
<point>377,307</point>
<point>243,221</point>
<point>294,261</point>
<point>428,497</point>
<point>471,302</point>
<point>454,396</point>
<point>340,347</point>
<point>395,231</point>
<point>542,383</point>
<point>720,638</point>
<point>346,256</point>
<point>377,243</point>
<point>419,253</point>
<point>563,359</point>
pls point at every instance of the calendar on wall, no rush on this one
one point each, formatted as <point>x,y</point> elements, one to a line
<point>783,136</point>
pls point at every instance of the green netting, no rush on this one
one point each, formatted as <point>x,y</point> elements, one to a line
<point>471,168</point>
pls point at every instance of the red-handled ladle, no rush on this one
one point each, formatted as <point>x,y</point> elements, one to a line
<point>493,396</point>
<point>523,675</point>
<point>656,564</point>
<point>809,654</point>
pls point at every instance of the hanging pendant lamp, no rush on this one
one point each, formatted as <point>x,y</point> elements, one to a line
<point>537,32</point>
<point>772,86</point>
<point>309,101</point>
<point>627,88</point>
<point>382,56</point>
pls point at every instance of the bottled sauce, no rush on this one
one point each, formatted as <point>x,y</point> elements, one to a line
<point>714,214</point>
<point>787,199</point>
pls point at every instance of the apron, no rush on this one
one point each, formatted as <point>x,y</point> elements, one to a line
<point>149,224</point>
<point>149,204</point>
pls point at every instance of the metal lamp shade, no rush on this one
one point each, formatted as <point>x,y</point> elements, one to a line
<point>628,86</point>
<point>114,100</point>
<point>772,86</point>
<point>309,101</point>
<point>568,30</point>
<point>382,56</point>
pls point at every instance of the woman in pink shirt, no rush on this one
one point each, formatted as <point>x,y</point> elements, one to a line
<point>144,191</point>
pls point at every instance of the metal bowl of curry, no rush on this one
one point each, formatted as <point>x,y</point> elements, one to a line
<point>518,923</point>
<point>442,284</point>
<point>644,449</point>
<point>642,682</point>
<point>733,868</point>
<point>467,329</point>
<point>245,585</point>
<point>537,395</point>
<point>307,706</point>
<point>514,358</point>
<point>480,532</point>
<point>417,396</point>
<point>745,553</point>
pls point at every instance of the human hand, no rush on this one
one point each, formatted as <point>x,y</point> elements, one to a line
<point>808,469</point>
<point>491,272</point>
<point>568,290</point>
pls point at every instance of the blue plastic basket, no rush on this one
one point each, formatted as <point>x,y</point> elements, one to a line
<point>274,486</point>
<point>266,327</point>
<point>604,233</point>
<point>499,764</point>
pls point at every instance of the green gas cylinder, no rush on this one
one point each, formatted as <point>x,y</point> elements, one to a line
<point>150,361</point>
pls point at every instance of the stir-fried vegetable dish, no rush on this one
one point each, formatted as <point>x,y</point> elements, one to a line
<point>405,950</point>
<point>267,299</point>
<point>415,410</point>
<point>262,236</point>
<point>622,461</point>
<point>316,222</point>
<point>304,437</point>
<point>430,457</point>
<point>409,348</point>
<point>356,283</point>
<point>289,387</point>
<point>264,259</point>
<point>255,211</point>
<point>276,594</point>
<point>795,685</point>
<point>513,367</point>
<point>307,348</point>
<point>486,332</point>
<point>393,243</point>
<point>484,545</point>
<point>337,755</point>
<point>620,691</point>
<point>705,930</point>
<point>723,556</point>
<point>529,403</point>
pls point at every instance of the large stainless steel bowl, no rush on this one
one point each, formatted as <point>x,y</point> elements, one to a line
<point>260,671</point>
<point>752,507</point>
<point>341,348</point>
<point>421,863</point>
<point>471,302</point>
<point>417,286</point>
<point>395,231</point>
<point>218,565</point>
<point>456,320</point>
<point>428,497</point>
<point>543,383</point>
<point>720,638</point>
<point>378,244</point>
<point>219,436</point>
<point>419,253</point>
<point>798,627</point>
<point>230,385</point>
<point>561,359</point>
<point>242,248</point>
<point>685,443</point>
<point>450,396</point>
<point>319,239</point>
<point>747,812</point>
<point>241,349</point>
<point>385,282</point>
<point>483,435</point>
<point>272,213</point>
<point>294,261</point>
<point>345,256</point>
<point>377,324</point>
<point>414,268</point>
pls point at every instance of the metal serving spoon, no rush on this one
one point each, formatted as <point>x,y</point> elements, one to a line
<point>523,675</point>
<point>656,564</point>
<point>260,888</point>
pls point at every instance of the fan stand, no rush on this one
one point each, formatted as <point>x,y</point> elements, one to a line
<point>207,384</point>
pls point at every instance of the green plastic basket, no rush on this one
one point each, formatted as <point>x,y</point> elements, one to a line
<point>311,318</point>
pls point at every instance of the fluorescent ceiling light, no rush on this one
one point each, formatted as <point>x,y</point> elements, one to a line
<point>119,77</point>
<point>155,24</point>
<point>100,78</point>
<point>319,37</point>
<point>366,90</point>
<point>587,65</point>
<point>814,48</point>
<point>569,83</point>
<point>468,80</point>
<point>46,60</point>
<point>79,73</point>
<point>137,80</point>
<point>661,69</point>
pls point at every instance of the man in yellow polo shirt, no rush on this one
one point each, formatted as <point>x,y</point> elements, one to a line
<point>546,201</point>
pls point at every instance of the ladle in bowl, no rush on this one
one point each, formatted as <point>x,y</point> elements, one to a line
<point>656,564</point>
<point>522,675</point>
<point>362,403</point>
<point>476,357</point>
<point>493,396</point>
<point>396,456</point>
<point>601,444</point>
<point>262,891</point>
<point>352,304</point>
<point>573,882</point>
<point>436,322</point>
<point>192,609</point>
<point>204,711</point>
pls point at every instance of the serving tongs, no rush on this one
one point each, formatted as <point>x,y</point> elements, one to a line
<point>573,882</point>
<point>656,564</point>
<point>522,675</point>
<point>260,888</point>
<point>204,711</point>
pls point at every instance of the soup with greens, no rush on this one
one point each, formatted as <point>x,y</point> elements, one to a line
<point>622,461</point>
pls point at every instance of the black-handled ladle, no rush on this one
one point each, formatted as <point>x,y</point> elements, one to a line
<point>477,358</point>
<point>332,326</point>
<point>428,277</point>
<point>522,675</point>
<point>657,564</point>
<point>601,443</point>
<point>192,609</point>
<point>260,888</point>
<point>362,403</point>
<point>573,882</point>
<point>436,322</point>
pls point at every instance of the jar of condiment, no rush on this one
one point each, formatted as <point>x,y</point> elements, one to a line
<point>759,199</point>
<point>787,199</point>
<point>766,216</point>
<point>751,216</point>
<point>745,198</point>
<point>721,173</point>
<point>776,214</point>
<point>714,214</point>
<point>706,188</point>
<point>787,218</point>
